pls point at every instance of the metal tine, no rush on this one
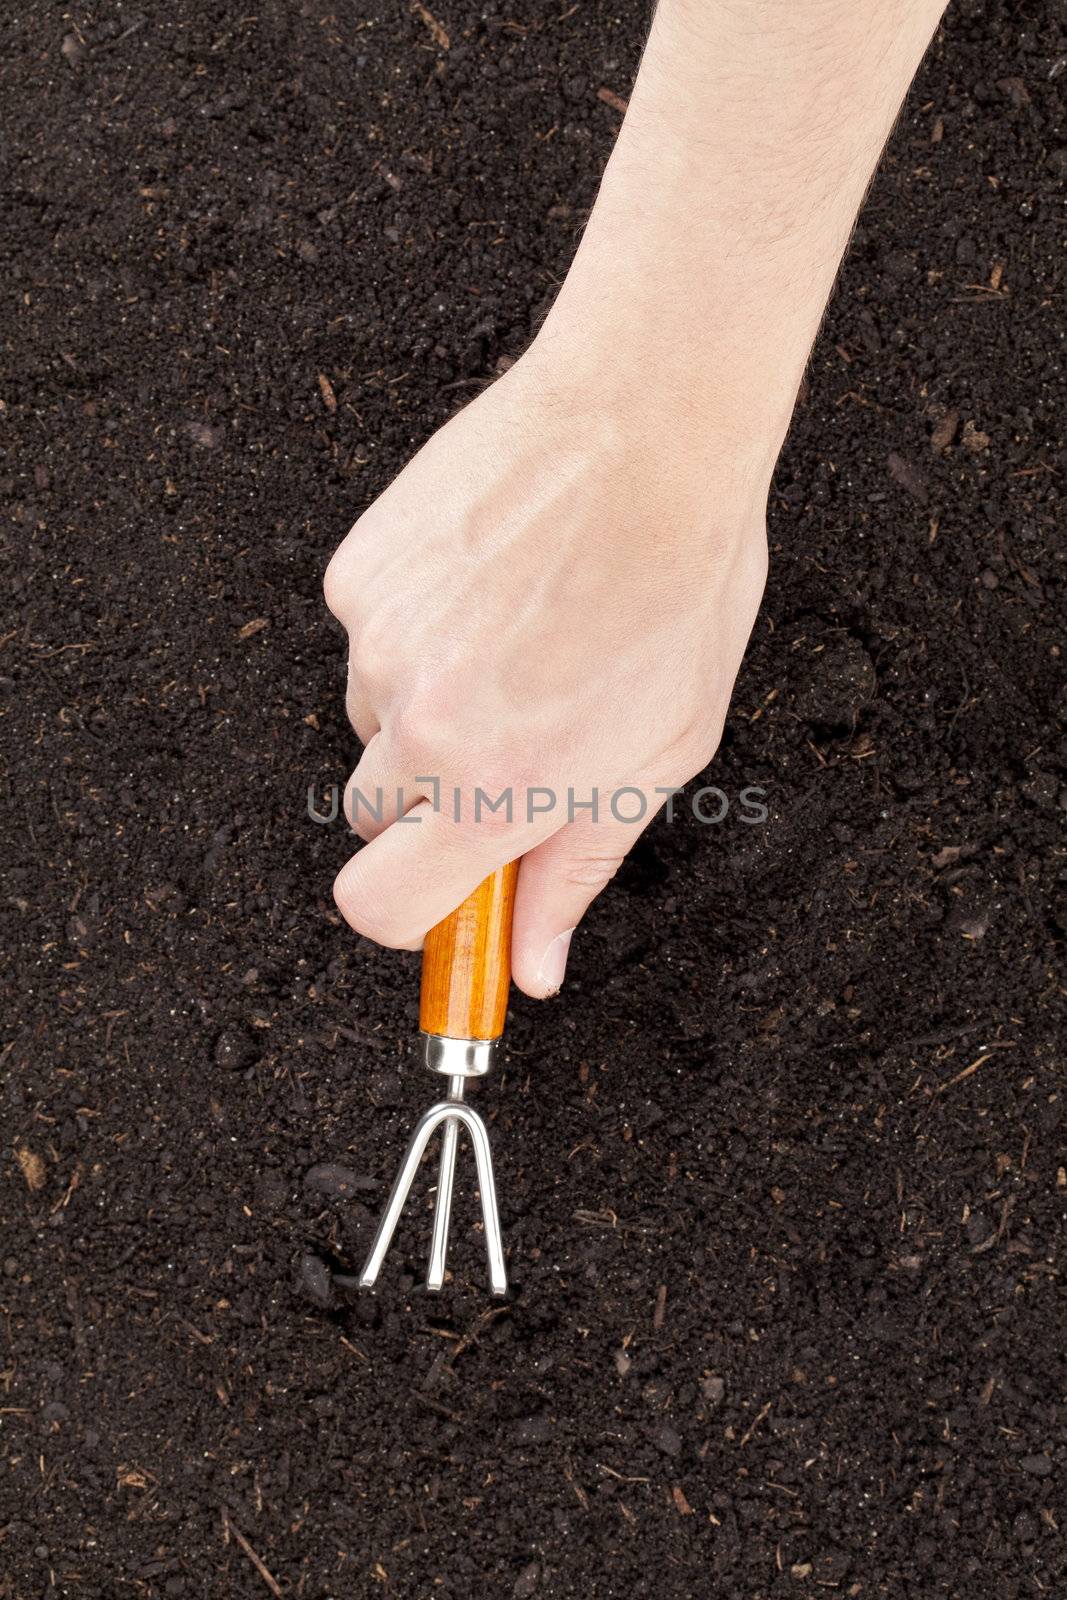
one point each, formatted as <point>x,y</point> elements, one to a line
<point>451,1112</point>
<point>442,1211</point>
<point>494,1244</point>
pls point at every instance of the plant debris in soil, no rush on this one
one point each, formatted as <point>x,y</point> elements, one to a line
<point>780,1170</point>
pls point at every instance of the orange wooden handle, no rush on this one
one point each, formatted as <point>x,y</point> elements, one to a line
<point>466,963</point>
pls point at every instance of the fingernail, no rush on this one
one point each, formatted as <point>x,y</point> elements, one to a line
<point>554,963</point>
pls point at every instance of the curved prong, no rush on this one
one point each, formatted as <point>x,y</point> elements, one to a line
<point>404,1179</point>
<point>494,1245</point>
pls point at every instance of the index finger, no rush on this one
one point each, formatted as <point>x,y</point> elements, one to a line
<point>421,868</point>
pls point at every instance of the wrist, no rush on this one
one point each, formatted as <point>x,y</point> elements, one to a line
<point>676,377</point>
<point>667,468</point>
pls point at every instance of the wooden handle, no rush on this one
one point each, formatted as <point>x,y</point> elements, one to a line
<point>466,963</point>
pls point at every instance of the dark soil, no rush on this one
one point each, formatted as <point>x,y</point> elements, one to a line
<point>780,1175</point>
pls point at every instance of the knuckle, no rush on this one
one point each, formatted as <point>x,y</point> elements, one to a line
<point>364,807</point>
<point>335,587</point>
<point>496,793</point>
<point>354,705</point>
<point>364,652</point>
<point>419,725</point>
<point>592,870</point>
<point>693,742</point>
<point>432,725</point>
<point>343,577</point>
<point>490,808</point>
<point>504,764</point>
<point>370,656</point>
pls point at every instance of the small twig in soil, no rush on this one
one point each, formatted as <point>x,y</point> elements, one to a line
<point>113,44</point>
<point>615,101</point>
<point>966,1073</point>
<point>229,1526</point>
<point>962,705</point>
<point>746,1436</point>
<point>438,34</point>
<point>201,1338</point>
<point>436,1405</point>
<point>622,1476</point>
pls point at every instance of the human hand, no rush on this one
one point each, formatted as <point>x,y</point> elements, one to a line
<point>554,595</point>
<point>557,591</point>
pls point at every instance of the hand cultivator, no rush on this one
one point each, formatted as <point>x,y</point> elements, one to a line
<point>466,970</point>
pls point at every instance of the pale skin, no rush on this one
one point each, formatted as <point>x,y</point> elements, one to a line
<point>557,591</point>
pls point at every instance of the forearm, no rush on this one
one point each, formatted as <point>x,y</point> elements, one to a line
<point>752,133</point>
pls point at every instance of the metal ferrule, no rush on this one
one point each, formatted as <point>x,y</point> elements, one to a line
<point>458,1058</point>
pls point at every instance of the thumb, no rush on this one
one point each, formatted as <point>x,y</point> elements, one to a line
<point>558,881</point>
